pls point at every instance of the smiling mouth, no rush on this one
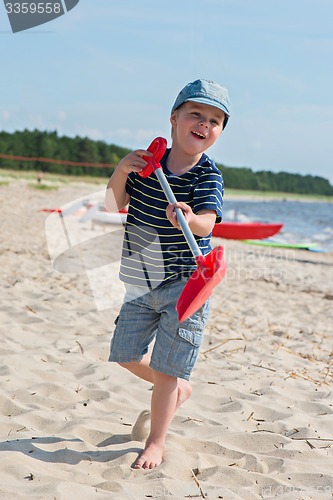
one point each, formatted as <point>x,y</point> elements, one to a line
<point>198,134</point>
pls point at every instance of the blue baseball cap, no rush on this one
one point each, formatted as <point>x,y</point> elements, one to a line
<point>205,92</point>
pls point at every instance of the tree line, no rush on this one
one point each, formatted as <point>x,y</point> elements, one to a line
<point>42,144</point>
<point>245,178</point>
<point>83,151</point>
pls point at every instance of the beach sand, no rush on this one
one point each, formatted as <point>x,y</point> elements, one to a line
<point>259,423</point>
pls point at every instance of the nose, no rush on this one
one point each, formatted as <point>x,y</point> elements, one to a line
<point>203,121</point>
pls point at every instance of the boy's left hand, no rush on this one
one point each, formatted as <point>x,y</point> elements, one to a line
<point>172,216</point>
<point>201,224</point>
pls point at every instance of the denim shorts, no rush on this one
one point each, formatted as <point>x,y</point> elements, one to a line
<point>152,317</point>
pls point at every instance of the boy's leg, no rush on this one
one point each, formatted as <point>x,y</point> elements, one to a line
<point>142,370</point>
<point>163,406</point>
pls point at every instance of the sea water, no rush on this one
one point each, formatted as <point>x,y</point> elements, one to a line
<point>304,221</point>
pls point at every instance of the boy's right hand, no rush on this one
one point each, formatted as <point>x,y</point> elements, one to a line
<point>133,162</point>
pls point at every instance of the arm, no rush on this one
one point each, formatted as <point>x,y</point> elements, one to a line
<point>201,224</point>
<point>116,196</point>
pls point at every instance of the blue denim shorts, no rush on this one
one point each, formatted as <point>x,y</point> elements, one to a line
<point>152,317</point>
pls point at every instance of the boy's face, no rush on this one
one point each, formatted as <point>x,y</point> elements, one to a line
<point>196,126</point>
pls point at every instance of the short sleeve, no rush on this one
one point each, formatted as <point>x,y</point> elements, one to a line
<point>130,183</point>
<point>208,193</point>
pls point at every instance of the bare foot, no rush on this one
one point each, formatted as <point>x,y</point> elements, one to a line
<point>184,391</point>
<point>151,457</point>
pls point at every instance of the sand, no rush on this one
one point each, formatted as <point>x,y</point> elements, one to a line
<point>259,423</point>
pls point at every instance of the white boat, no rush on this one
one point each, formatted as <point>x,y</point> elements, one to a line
<point>104,217</point>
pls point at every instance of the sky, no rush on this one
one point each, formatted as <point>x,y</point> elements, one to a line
<point>112,70</point>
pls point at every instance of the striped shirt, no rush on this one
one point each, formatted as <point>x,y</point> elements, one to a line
<point>154,251</point>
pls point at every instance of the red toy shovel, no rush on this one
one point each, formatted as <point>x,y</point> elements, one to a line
<point>211,268</point>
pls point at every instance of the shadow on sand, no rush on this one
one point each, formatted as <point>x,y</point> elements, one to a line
<point>67,455</point>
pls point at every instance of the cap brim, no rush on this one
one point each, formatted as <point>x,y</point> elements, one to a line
<point>210,102</point>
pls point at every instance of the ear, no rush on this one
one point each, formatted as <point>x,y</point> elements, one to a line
<point>173,119</point>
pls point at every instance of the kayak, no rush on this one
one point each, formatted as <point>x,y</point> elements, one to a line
<point>245,230</point>
<point>280,244</point>
<point>311,246</point>
<point>231,230</point>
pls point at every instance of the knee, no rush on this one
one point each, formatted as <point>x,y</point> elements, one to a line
<point>163,378</point>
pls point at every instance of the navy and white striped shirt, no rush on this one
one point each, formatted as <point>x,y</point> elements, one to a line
<point>154,251</point>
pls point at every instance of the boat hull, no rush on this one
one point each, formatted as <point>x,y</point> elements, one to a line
<point>245,230</point>
<point>109,217</point>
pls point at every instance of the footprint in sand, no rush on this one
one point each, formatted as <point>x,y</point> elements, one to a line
<point>140,429</point>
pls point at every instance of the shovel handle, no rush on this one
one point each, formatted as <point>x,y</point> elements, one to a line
<point>158,148</point>
<point>180,216</point>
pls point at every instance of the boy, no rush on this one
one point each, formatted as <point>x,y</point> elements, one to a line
<point>156,260</point>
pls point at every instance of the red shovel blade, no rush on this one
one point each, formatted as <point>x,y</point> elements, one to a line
<point>157,148</point>
<point>210,271</point>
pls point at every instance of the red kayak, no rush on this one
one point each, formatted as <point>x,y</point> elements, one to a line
<point>245,230</point>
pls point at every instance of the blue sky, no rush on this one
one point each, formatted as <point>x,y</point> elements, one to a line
<point>111,71</point>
